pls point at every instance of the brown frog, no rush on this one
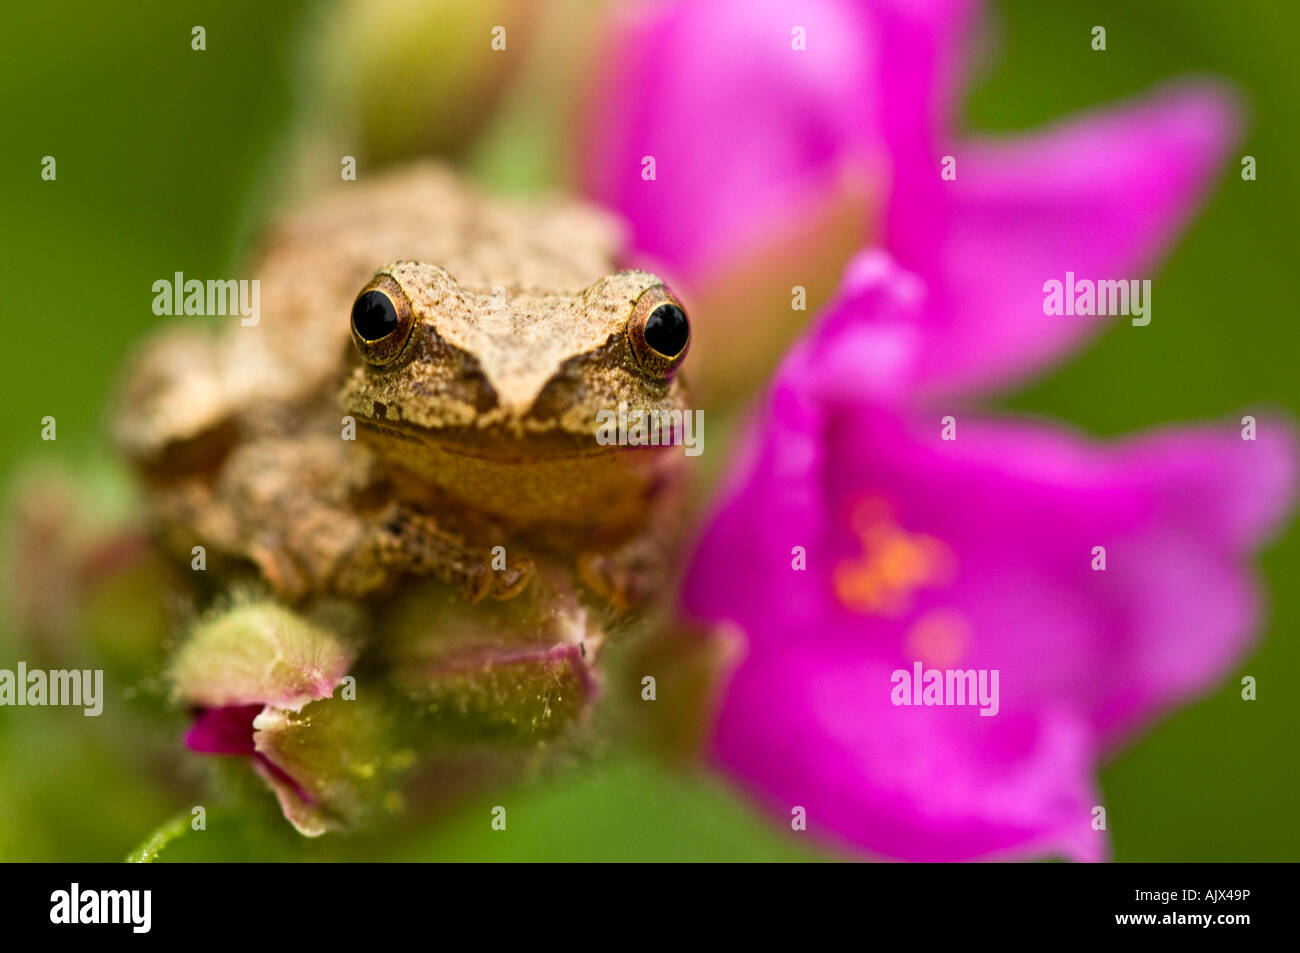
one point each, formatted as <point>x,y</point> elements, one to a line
<point>421,396</point>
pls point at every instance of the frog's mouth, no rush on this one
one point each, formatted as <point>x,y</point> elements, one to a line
<point>532,479</point>
<point>520,443</point>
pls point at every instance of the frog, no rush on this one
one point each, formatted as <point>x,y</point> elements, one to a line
<point>421,397</point>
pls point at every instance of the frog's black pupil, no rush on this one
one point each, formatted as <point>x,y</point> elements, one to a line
<point>373,316</point>
<point>666,330</point>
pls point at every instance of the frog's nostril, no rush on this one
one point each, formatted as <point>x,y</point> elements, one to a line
<point>485,397</point>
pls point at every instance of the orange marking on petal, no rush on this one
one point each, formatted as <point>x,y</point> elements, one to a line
<point>939,638</point>
<point>893,565</point>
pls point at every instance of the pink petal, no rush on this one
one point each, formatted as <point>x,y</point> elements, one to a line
<point>747,131</point>
<point>223,730</point>
<point>1022,506</point>
<point>815,728</point>
<point>1101,195</point>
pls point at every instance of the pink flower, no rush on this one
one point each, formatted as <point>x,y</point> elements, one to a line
<point>785,135</point>
<point>1102,584</point>
<point>974,553</point>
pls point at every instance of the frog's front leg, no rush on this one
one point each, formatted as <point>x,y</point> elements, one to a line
<point>404,539</point>
<point>631,572</point>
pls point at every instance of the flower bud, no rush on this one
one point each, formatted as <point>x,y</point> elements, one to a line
<point>515,671</point>
<point>259,653</point>
<point>406,78</point>
<point>264,681</point>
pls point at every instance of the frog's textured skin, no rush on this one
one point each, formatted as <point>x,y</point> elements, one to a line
<point>482,434</point>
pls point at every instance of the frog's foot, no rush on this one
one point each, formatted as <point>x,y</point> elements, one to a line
<point>282,573</point>
<point>410,541</point>
<point>624,576</point>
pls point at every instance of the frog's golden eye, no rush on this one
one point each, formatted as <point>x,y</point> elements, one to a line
<point>381,321</point>
<point>659,332</point>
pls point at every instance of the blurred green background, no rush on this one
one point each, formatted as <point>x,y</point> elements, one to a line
<point>169,160</point>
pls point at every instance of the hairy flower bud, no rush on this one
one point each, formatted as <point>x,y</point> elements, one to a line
<point>266,683</point>
<point>519,671</point>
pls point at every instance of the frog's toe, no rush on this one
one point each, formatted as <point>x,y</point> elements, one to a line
<point>475,583</point>
<point>279,571</point>
<point>508,583</point>
<point>611,579</point>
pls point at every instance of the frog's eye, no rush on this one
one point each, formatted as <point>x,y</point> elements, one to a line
<point>659,332</point>
<point>381,321</point>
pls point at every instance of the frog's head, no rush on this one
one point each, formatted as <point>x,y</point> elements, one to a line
<point>504,374</point>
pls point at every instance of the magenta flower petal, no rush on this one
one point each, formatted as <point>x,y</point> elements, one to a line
<point>223,730</point>
<point>1100,195</point>
<point>1021,507</point>
<point>232,731</point>
<point>1214,498</point>
<point>972,553</point>
<point>754,140</point>
<point>738,123</point>
<point>746,130</point>
<point>814,728</point>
